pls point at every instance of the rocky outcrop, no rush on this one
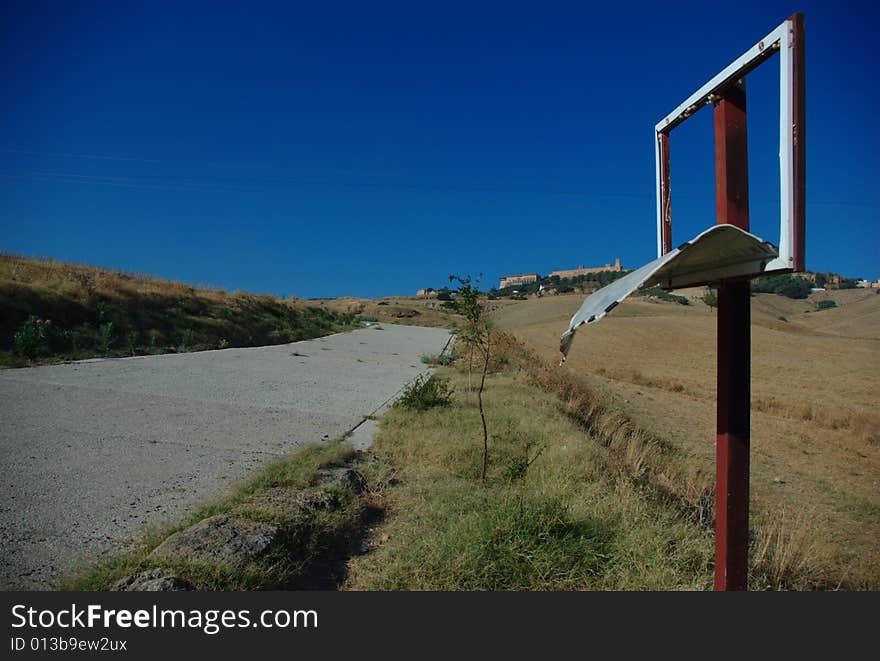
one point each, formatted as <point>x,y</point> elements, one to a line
<point>221,539</point>
<point>152,580</point>
<point>341,477</point>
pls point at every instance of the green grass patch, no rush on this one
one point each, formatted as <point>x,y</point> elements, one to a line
<point>483,540</point>
<point>849,503</point>
<point>550,516</point>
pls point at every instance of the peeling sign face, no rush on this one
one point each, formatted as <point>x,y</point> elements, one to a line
<point>722,251</point>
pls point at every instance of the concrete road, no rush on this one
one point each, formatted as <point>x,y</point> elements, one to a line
<point>93,452</point>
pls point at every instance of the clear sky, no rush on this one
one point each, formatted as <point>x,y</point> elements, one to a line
<point>330,149</point>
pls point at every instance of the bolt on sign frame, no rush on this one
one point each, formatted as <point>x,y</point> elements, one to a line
<point>726,92</point>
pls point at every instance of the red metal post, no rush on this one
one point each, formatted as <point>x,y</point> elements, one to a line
<point>734,359</point>
<point>665,193</point>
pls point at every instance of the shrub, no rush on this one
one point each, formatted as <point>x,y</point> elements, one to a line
<point>131,340</point>
<point>30,338</point>
<point>785,285</point>
<point>425,393</point>
<point>710,298</point>
<point>664,295</point>
<point>107,337</point>
<point>826,305</point>
<point>40,337</point>
<point>187,338</point>
<point>81,338</point>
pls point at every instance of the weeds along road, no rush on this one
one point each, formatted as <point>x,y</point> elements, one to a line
<point>92,453</point>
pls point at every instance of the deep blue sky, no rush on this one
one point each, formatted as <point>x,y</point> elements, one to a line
<point>329,149</point>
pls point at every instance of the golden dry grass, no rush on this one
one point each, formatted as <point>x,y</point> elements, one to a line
<point>815,419</point>
<point>401,309</point>
<point>393,310</point>
<point>80,280</point>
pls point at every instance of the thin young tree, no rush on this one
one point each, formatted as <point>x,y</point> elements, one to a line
<point>710,298</point>
<point>477,337</point>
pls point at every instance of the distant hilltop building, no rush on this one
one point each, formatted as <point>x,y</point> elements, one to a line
<point>427,293</point>
<point>836,281</point>
<point>581,270</point>
<point>518,280</point>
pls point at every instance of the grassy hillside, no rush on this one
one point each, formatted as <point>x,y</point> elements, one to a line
<point>52,310</point>
<point>815,419</point>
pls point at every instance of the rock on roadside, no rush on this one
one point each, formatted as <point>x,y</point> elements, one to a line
<point>221,539</point>
<point>233,539</point>
<point>341,477</point>
<point>152,580</point>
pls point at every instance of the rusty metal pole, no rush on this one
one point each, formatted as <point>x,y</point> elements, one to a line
<point>665,193</point>
<point>734,340</point>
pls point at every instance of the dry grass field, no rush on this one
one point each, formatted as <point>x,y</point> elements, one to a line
<point>815,415</point>
<point>393,309</point>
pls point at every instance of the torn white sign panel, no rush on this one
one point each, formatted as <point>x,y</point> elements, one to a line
<point>722,251</point>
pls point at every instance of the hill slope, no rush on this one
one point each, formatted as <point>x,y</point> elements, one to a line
<point>97,312</point>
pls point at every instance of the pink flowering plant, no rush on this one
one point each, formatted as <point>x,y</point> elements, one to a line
<point>34,337</point>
